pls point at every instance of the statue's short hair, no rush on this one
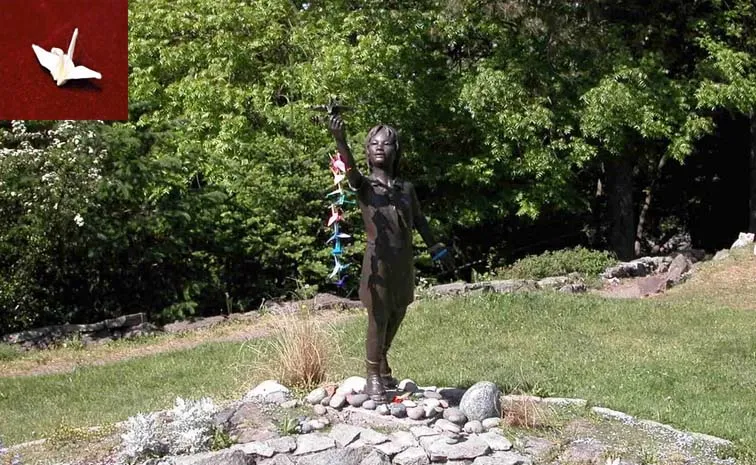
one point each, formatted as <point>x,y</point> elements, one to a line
<point>393,136</point>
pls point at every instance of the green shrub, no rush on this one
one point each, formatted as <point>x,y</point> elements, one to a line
<point>558,263</point>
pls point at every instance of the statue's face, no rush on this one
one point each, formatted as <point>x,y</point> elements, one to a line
<point>381,150</point>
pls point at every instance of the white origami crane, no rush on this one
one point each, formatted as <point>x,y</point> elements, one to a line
<point>61,66</point>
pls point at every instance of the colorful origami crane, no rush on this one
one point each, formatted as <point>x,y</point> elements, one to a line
<point>337,164</point>
<point>338,268</point>
<point>337,250</point>
<point>337,234</point>
<point>336,215</point>
<point>342,282</point>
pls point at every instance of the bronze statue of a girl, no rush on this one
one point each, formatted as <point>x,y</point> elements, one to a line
<point>390,210</point>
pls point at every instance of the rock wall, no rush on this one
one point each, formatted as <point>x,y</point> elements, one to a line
<point>124,326</point>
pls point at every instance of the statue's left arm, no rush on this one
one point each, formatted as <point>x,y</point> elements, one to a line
<point>437,250</point>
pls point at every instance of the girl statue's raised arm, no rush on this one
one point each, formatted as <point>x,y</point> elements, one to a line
<point>338,130</point>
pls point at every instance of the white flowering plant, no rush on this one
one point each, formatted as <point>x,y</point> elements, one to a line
<point>186,429</point>
<point>51,175</point>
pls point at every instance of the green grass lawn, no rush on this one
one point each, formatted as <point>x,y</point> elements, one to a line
<point>684,362</point>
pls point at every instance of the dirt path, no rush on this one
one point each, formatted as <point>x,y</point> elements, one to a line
<point>65,360</point>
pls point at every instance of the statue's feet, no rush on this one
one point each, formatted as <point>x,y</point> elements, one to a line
<point>389,382</point>
<point>374,388</point>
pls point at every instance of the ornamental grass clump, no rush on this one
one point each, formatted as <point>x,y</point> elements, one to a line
<point>301,350</point>
<point>526,414</point>
<point>187,429</point>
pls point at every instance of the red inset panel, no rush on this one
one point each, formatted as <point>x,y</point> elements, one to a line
<point>28,91</point>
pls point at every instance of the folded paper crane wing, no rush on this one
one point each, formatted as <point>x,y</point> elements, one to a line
<point>337,234</point>
<point>61,65</point>
<point>335,216</point>
<point>337,163</point>
<point>338,268</point>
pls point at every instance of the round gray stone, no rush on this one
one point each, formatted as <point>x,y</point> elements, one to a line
<point>369,404</point>
<point>337,401</point>
<point>455,415</point>
<point>489,423</point>
<point>315,396</point>
<point>356,400</point>
<point>398,410</point>
<point>446,425</point>
<point>473,427</point>
<point>382,409</point>
<point>481,401</point>
<point>319,409</point>
<point>416,413</point>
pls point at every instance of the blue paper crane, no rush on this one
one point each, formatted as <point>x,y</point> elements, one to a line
<point>338,268</point>
<point>337,234</point>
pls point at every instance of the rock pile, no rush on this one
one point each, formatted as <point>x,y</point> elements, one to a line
<point>426,425</point>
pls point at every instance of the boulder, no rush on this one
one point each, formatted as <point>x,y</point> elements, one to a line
<point>482,400</point>
<point>744,240</point>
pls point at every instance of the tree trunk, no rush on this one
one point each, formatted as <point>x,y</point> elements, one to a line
<point>752,180</point>
<point>647,204</point>
<point>619,180</point>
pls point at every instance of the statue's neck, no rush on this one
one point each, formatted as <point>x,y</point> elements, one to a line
<point>383,176</point>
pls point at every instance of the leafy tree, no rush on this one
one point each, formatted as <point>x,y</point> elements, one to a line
<point>729,71</point>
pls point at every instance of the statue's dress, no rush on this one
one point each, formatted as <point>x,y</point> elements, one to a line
<point>388,274</point>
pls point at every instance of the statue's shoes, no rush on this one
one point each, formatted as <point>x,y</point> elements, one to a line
<point>389,382</point>
<point>375,389</point>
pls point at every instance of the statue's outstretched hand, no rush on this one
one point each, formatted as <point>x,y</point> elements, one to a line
<point>441,254</point>
<point>338,129</point>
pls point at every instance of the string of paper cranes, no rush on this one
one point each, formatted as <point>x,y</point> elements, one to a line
<point>340,197</point>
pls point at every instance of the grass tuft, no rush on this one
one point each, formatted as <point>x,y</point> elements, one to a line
<point>299,352</point>
<point>526,413</point>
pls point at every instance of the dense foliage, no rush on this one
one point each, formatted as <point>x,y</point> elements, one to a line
<point>585,262</point>
<point>512,114</point>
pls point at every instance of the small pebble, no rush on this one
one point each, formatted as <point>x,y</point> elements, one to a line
<point>489,423</point>
<point>409,403</point>
<point>431,403</point>
<point>416,413</point>
<point>398,410</point>
<point>305,428</point>
<point>432,412</point>
<point>444,403</point>
<point>446,425</point>
<point>337,401</point>
<point>473,427</point>
<point>316,424</point>
<point>455,415</point>
<point>293,403</point>
<point>382,409</point>
<point>356,400</point>
<point>431,395</point>
<point>326,400</point>
<point>319,409</point>
<point>369,404</point>
<point>407,385</point>
<point>316,395</point>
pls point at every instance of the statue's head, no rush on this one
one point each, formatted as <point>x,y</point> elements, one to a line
<point>383,150</point>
